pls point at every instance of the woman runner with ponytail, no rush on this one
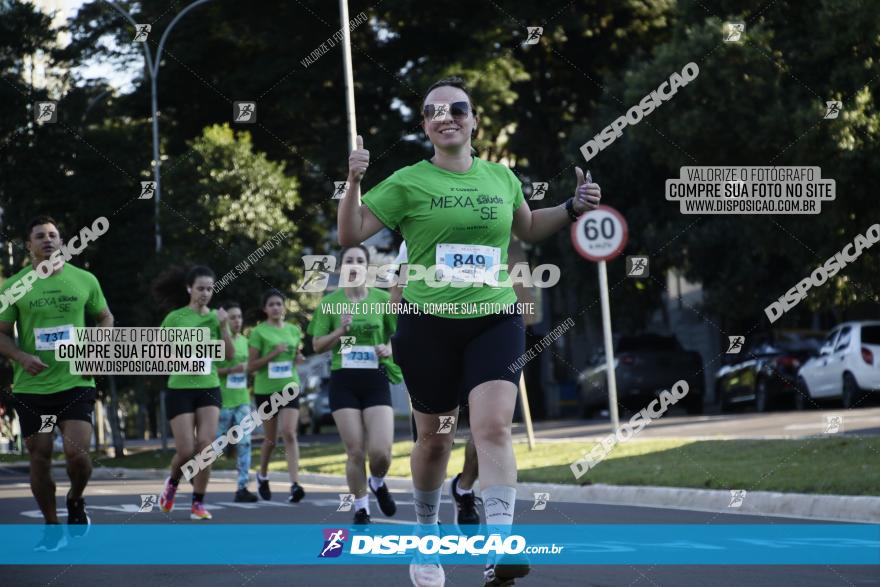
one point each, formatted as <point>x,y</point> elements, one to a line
<point>192,402</point>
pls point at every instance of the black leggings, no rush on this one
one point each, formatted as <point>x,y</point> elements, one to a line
<point>359,388</point>
<point>443,359</point>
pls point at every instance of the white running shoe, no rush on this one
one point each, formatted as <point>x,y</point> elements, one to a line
<point>426,575</point>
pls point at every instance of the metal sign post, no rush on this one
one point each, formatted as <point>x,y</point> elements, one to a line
<point>600,235</point>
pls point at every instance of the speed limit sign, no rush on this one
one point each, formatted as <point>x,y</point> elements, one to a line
<point>600,234</point>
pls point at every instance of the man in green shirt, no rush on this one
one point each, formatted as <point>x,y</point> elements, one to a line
<point>236,399</point>
<point>44,310</point>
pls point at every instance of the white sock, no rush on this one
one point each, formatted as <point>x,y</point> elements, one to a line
<point>376,482</point>
<point>261,478</point>
<point>498,502</point>
<point>362,503</point>
<point>427,505</point>
<point>460,491</point>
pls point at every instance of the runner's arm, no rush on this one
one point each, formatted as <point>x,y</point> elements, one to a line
<point>326,342</point>
<point>227,339</point>
<point>7,342</point>
<point>225,334</point>
<point>31,363</point>
<point>230,369</point>
<point>534,226</point>
<point>256,362</point>
<point>104,318</point>
<point>356,223</point>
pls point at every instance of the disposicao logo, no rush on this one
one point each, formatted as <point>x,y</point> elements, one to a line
<point>334,540</point>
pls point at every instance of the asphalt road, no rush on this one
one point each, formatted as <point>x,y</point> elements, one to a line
<point>114,502</point>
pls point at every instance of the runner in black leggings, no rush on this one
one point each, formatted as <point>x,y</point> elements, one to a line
<point>457,211</point>
<point>192,402</point>
<point>274,349</point>
<point>466,515</point>
<point>360,397</point>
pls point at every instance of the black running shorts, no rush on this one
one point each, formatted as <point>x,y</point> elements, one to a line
<point>187,401</point>
<point>76,403</point>
<point>443,359</point>
<point>359,389</point>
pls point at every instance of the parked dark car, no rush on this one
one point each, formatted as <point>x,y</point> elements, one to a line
<point>645,365</point>
<point>765,371</point>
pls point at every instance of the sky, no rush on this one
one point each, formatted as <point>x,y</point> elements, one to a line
<point>120,81</point>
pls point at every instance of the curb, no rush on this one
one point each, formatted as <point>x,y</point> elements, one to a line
<point>833,508</point>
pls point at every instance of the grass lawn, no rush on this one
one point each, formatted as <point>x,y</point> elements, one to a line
<point>839,465</point>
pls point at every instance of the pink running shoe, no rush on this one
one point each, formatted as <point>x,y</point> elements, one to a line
<point>166,500</point>
<point>199,512</point>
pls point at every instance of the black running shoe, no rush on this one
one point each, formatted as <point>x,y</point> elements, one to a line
<point>263,488</point>
<point>465,505</point>
<point>77,517</point>
<point>243,495</point>
<point>53,539</point>
<point>506,569</point>
<point>362,517</point>
<point>296,493</point>
<point>386,502</point>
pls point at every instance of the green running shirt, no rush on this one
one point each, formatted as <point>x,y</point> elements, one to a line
<point>50,311</point>
<point>371,324</point>
<point>282,369</point>
<point>450,218</point>
<point>186,317</point>
<point>233,386</point>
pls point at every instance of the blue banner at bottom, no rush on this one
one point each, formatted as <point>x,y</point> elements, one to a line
<point>611,544</point>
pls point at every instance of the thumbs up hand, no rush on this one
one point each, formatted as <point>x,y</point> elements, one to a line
<point>358,161</point>
<point>586,194</point>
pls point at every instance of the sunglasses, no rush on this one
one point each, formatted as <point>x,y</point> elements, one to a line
<point>440,111</point>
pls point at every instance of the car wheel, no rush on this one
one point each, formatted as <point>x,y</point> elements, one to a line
<point>762,396</point>
<point>852,395</point>
<point>802,399</point>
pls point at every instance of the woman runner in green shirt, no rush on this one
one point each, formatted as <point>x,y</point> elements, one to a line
<point>456,213</point>
<point>192,401</point>
<point>273,353</point>
<point>360,398</point>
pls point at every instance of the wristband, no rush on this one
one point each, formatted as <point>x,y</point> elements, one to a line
<point>569,208</point>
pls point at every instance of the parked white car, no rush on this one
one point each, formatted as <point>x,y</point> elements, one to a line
<point>847,366</point>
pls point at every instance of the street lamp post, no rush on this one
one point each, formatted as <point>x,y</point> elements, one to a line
<point>152,66</point>
<point>153,70</point>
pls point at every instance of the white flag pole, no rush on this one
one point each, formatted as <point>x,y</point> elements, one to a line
<point>349,77</point>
